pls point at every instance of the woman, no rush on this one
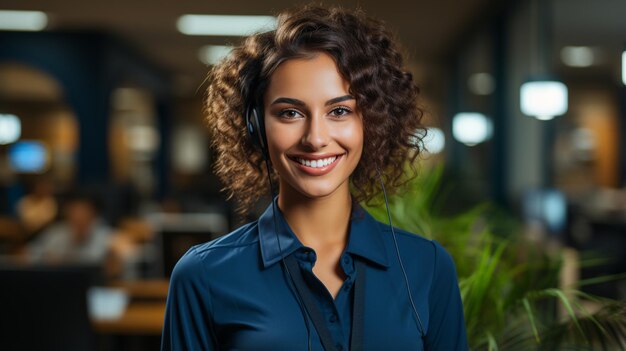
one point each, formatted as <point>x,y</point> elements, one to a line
<point>322,99</point>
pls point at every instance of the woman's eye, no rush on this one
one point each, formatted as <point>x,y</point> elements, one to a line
<point>340,111</point>
<point>289,114</point>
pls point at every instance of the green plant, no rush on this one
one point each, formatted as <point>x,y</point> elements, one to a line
<point>509,285</point>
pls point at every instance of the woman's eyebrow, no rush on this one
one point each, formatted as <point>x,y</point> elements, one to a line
<point>290,101</point>
<point>297,102</point>
<point>339,99</point>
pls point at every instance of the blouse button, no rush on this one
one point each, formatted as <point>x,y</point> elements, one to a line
<point>346,259</point>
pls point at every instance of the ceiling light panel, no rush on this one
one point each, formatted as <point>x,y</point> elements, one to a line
<point>23,20</point>
<point>224,25</point>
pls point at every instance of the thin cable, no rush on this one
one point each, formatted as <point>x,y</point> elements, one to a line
<point>280,250</point>
<point>395,241</point>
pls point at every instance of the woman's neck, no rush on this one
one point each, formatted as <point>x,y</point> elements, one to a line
<point>317,222</point>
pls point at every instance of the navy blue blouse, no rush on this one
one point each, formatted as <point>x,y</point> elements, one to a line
<point>232,294</point>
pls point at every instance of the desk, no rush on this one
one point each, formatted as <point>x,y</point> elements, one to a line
<point>144,314</point>
<point>144,289</point>
<point>140,318</point>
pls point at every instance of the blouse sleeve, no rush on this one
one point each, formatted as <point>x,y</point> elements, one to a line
<point>188,314</point>
<point>446,330</point>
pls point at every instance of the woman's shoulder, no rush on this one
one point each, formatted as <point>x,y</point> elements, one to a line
<point>427,251</point>
<point>417,241</point>
<point>245,235</point>
<point>406,239</point>
<point>220,252</point>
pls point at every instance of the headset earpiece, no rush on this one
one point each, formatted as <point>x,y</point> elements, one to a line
<point>256,128</point>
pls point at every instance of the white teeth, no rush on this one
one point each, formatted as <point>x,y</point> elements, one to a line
<point>317,163</point>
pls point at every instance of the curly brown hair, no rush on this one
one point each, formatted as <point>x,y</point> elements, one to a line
<point>366,56</point>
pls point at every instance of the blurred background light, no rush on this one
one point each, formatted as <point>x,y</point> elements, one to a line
<point>189,149</point>
<point>578,56</point>
<point>10,128</point>
<point>584,143</point>
<point>481,83</point>
<point>624,67</point>
<point>212,54</point>
<point>28,157</point>
<point>143,139</point>
<point>434,141</point>
<point>471,128</point>
<point>543,99</point>
<point>23,20</point>
<point>547,207</point>
<point>224,25</point>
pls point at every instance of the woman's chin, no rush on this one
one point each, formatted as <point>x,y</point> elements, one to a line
<point>318,191</point>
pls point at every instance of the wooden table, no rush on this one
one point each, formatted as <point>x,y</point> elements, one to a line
<point>145,312</point>
<point>144,289</point>
<point>140,318</point>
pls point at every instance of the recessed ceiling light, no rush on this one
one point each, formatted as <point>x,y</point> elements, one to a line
<point>434,141</point>
<point>471,128</point>
<point>10,128</point>
<point>212,54</point>
<point>22,20</point>
<point>543,99</point>
<point>224,25</point>
<point>578,56</point>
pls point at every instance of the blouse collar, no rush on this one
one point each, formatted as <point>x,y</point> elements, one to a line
<point>365,238</point>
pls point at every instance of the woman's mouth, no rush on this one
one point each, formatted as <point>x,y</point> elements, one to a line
<point>319,163</point>
<point>316,166</point>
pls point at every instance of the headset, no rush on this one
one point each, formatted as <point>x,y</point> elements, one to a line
<point>255,125</point>
<point>256,129</point>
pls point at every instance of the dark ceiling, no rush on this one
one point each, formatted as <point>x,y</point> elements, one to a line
<point>425,28</point>
<point>428,29</point>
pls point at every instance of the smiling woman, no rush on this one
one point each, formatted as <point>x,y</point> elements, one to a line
<point>371,66</point>
<point>324,103</point>
<point>314,134</point>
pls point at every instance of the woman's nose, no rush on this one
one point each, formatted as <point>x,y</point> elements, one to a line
<point>316,135</point>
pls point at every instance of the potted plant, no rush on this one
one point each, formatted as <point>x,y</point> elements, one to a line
<point>509,284</point>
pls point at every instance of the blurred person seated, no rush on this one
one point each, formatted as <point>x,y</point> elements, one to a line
<point>127,246</point>
<point>81,237</point>
<point>37,209</point>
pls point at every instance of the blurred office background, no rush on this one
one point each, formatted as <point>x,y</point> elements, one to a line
<point>102,140</point>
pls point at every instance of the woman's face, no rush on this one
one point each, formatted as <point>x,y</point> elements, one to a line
<point>314,132</point>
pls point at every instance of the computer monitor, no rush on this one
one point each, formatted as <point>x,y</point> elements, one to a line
<point>176,233</point>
